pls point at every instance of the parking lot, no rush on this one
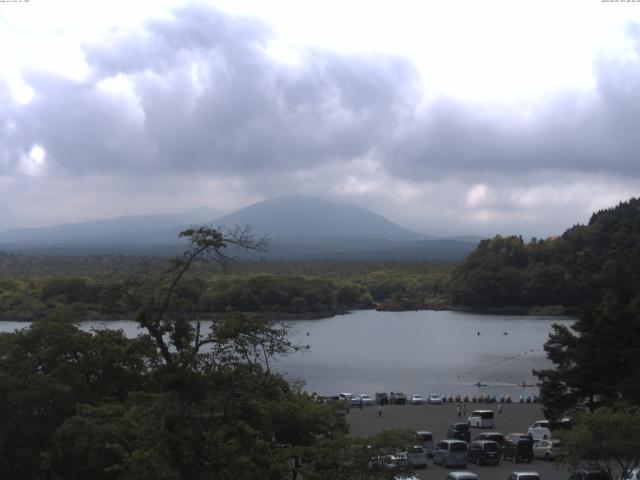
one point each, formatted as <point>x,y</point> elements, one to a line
<point>515,417</point>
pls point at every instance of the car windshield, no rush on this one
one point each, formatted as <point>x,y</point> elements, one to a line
<point>458,447</point>
<point>415,450</point>
<point>528,477</point>
<point>426,437</point>
<point>491,447</point>
<point>461,427</point>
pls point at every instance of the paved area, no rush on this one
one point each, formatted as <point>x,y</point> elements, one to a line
<point>515,417</point>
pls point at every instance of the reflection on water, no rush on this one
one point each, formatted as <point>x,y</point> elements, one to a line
<point>413,352</point>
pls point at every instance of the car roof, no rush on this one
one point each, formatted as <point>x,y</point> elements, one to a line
<point>484,441</point>
<point>453,441</point>
<point>463,473</point>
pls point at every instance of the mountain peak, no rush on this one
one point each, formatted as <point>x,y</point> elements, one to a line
<point>305,217</point>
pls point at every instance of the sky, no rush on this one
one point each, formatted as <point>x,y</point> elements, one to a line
<point>462,117</point>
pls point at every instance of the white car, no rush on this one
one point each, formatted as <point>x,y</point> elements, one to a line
<point>416,399</point>
<point>434,399</point>
<point>540,430</point>
<point>366,399</point>
<point>524,476</point>
<point>462,475</point>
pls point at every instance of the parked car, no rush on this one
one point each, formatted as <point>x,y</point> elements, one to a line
<point>450,453</point>
<point>462,475</point>
<point>416,399</point>
<point>346,397</point>
<point>434,399</point>
<point>540,430</point>
<point>366,399</point>
<point>417,456</point>
<point>382,398</point>
<point>589,471</point>
<point>481,419</point>
<point>396,461</point>
<point>524,476</point>
<point>547,449</point>
<point>633,474</point>
<point>493,436</point>
<point>484,451</point>
<point>459,431</point>
<point>427,441</point>
<point>397,398</point>
<point>518,447</point>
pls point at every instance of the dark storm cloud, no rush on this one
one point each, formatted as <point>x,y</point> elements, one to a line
<point>206,97</point>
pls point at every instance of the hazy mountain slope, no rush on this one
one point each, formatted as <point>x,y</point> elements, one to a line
<point>306,218</point>
<point>134,229</point>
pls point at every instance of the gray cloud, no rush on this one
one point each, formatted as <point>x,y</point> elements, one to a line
<point>198,94</point>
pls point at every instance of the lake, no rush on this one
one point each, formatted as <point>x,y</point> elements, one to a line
<point>420,352</point>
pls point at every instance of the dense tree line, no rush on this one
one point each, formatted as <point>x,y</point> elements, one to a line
<point>176,402</point>
<point>288,292</point>
<point>571,271</point>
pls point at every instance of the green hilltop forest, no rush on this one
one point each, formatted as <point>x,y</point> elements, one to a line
<point>556,275</point>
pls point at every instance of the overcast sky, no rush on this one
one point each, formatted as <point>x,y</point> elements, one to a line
<point>475,117</point>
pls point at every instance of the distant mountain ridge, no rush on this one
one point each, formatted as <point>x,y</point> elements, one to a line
<point>131,229</point>
<point>298,227</point>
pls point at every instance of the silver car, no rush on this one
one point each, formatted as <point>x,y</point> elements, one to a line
<point>547,449</point>
<point>450,453</point>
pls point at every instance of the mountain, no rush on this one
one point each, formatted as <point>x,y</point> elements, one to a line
<point>299,227</point>
<point>128,230</point>
<point>303,218</point>
<point>305,227</point>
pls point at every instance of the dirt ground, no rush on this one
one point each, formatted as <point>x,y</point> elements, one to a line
<point>515,417</point>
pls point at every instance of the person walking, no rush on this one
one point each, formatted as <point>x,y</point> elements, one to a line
<point>379,410</point>
<point>459,410</point>
<point>499,409</point>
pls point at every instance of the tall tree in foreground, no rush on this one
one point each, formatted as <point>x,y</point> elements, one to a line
<point>596,359</point>
<point>609,436</point>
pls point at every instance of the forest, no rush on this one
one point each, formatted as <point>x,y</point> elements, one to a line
<point>552,276</point>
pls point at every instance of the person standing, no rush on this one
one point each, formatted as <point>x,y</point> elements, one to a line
<point>459,410</point>
<point>380,410</point>
<point>499,409</point>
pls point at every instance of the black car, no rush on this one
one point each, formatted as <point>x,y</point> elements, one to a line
<point>397,398</point>
<point>518,447</point>
<point>459,431</point>
<point>484,451</point>
<point>382,398</point>
<point>493,436</point>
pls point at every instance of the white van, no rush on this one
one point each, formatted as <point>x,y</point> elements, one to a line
<point>540,430</point>
<point>427,441</point>
<point>481,419</point>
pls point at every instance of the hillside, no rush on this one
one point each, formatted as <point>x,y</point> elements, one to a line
<point>568,272</point>
<point>127,230</point>
<point>299,227</point>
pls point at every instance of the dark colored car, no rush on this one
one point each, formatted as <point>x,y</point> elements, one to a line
<point>589,472</point>
<point>459,431</point>
<point>382,398</point>
<point>397,398</point>
<point>484,451</point>
<point>493,436</point>
<point>518,447</point>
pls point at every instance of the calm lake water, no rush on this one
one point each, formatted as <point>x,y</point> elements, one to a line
<point>413,352</point>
